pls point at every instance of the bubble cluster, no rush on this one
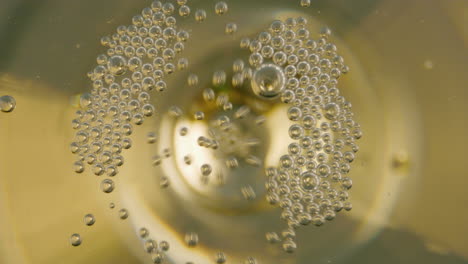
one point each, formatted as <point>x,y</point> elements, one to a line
<point>310,183</point>
<point>138,58</point>
<point>285,66</point>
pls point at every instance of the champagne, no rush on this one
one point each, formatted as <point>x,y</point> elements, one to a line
<point>213,132</point>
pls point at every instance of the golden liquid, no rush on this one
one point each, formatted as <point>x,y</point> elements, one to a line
<point>407,87</point>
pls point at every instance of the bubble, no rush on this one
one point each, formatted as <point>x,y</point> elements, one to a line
<point>309,181</point>
<point>256,59</point>
<point>277,27</point>
<point>144,233</point>
<point>209,95</point>
<point>231,28</point>
<point>79,167</point>
<point>332,111</point>
<point>289,245</point>
<point>248,193</point>
<point>294,113</point>
<point>164,182</point>
<point>187,160</point>
<point>272,237</point>
<point>200,15</point>
<point>199,115</point>
<point>150,245</point>
<point>183,131</point>
<point>221,8</point>
<point>164,245</point>
<point>157,159</point>
<point>117,65</point>
<point>268,81</point>
<point>192,80</point>
<point>318,220</point>
<point>296,131</point>
<point>184,11</point>
<point>123,214</point>
<point>75,240</point>
<point>148,110</point>
<point>348,206</point>
<point>206,169</point>
<point>7,103</point>
<point>323,170</point>
<point>244,43</point>
<point>107,185</point>
<point>219,78</point>
<point>220,258</point>
<point>191,239</point>
<point>89,219</point>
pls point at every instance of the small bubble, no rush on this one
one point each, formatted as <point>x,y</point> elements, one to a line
<point>200,15</point>
<point>260,120</point>
<point>305,3</point>
<point>253,160</point>
<point>152,137</point>
<point>89,219</point>
<point>164,245</point>
<point>272,237</point>
<point>209,95</point>
<point>348,206</point>
<point>187,160</point>
<point>112,205</point>
<point>150,245</point>
<point>164,182</point>
<point>199,115</point>
<point>231,28</point>
<point>242,112</point>
<point>220,258</point>
<point>75,240</point>
<point>332,111</point>
<point>123,214</point>
<point>244,43</point>
<point>238,65</point>
<point>289,245</point>
<point>157,159</point>
<point>7,103</point>
<point>181,2</point>
<point>268,81</point>
<point>248,193</point>
<point>117,65</point>
<point>428,64</point>
<point>191,239</point>
<point>251,260</point>
<point>221,8</point>
<point>85,100</point>
<point>277,27</point>
<point>107,185</point>
<point>79,167</point>
<point>309,181</point>
<point>175,111</point>
<point>219,78</point>
<point>184,11</point>
<point>296,131</point>
<point>183,131</point>
<point>206,169</point>
<point>232,162</point>
<point>148,110</point>
<point>143,232</point>
<point>192,80</point>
